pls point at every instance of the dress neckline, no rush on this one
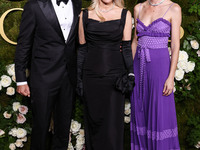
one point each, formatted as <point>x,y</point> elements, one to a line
<point>153,22</point>
<point>104,21</point>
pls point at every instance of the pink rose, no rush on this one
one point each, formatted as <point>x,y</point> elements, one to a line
<point>23,109</point>
<point>20,118</point>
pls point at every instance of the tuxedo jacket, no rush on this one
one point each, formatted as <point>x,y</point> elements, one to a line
<point>41,45</point>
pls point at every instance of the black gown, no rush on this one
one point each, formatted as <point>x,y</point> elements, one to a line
<point>104,105</point>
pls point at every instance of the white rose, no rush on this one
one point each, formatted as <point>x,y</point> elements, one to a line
<point>14,78</point>
<point>19,143</point>
<point>21,133</point>
<point>1,132</point>
<point>174,90</point>
<point>127,119</point>
<point>20,118</point>
<point>79,146</point>
<point>16,106</point>
<point>179,74</point>
<point>190,66</point>
<point>194,44</point>
<point>182,65</point>
<point>188,87</point>
<point>23,109</point>
<point>183,56</point>
<point>197,146</point>
<point>13,132</point>
<point>127,105</point>
<point>82,132</point>
<point>7,115</point>
<point>199,142</point>
<point>5,81</point>
<point>10,91</point>
<point>11,69</point>
<point>70,146</point>
<point>75,126</point>
<point>24,139</point>
<point>127,112</point>
<point>198,53</point>
<point>0,86</point>
<point>12,146</point>
<point>80,139</point>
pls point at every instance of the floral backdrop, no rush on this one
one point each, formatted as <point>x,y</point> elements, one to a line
<point>15,111</point>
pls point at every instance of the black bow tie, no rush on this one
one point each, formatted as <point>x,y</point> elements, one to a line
<point>59,1</point>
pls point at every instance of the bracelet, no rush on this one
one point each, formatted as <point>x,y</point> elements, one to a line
<point>131,74</point>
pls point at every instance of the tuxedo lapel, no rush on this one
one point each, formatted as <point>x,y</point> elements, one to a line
<point>49,12</point>
<point>75,20</point>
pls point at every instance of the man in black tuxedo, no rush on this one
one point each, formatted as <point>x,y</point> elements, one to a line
<point>47,41</point>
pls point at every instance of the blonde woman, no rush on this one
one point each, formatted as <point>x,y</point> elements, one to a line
<point>153,122</point>
<point>105,73</point>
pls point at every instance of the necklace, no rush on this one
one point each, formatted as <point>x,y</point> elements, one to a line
<point>105,11</point>
<point>155,4</point>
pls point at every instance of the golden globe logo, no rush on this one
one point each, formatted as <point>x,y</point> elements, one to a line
<point>2,32</point>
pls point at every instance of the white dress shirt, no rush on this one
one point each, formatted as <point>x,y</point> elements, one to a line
<point>65,17</point>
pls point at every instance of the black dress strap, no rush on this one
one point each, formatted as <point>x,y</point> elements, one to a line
<point>123,17</point>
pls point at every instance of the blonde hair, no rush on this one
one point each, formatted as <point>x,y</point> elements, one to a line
<point>95,5</point>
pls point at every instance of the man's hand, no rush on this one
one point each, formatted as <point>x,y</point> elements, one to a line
<point>23,90</point>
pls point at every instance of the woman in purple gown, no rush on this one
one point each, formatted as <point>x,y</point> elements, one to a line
<point>153,117</point>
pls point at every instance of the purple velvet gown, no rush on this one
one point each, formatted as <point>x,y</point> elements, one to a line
<point>153,116</point>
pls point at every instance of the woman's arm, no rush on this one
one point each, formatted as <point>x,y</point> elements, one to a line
<point>128,27</point>
<point>81,30</point>
<point>175,46</point>
<point>134,42</point>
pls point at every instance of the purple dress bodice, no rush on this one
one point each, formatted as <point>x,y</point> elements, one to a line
<point>154,35</point>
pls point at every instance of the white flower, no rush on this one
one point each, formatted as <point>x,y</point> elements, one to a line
<point>79,146</point>
<point>80,139</point>
<point>194,44</point>
<point>133,25</point>
<point>179,74</point>
<point>182,65</point>
<point>1,132</point>
<point>183,56</point>
<point>23,109</point>
<point>13,132</point>
<point>0,86</point>
<point>14,78</point>
<point>21,133</point>
<point>127,112</point>
<point>190,66</point>
<point>20,118</point>
<point>12,146</point>
<point>82,132</point>
<point>10,91</point>
<point>127,105</point>
<point>186,80</point>
<point>11,69</point>
<point>19,143</point>
<point>5,81</point>
<point>70,146</point>
<point>75,127</point>
<point>24,139</point>
<point>7,115</point>
<point>198,53</point>
<point>127,119</point>
<point>16,106</point>
<point>197,146</point>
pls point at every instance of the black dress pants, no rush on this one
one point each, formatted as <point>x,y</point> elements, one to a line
<point>58,100</point>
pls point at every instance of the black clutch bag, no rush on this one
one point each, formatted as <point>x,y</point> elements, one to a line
<point>125,83</point>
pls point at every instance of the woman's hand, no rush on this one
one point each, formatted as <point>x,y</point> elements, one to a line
<point>168,87</point>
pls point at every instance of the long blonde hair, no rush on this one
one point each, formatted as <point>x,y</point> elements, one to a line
<point>95,5</point>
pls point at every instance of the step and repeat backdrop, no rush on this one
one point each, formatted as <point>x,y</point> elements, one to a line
<point>15,112</point>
